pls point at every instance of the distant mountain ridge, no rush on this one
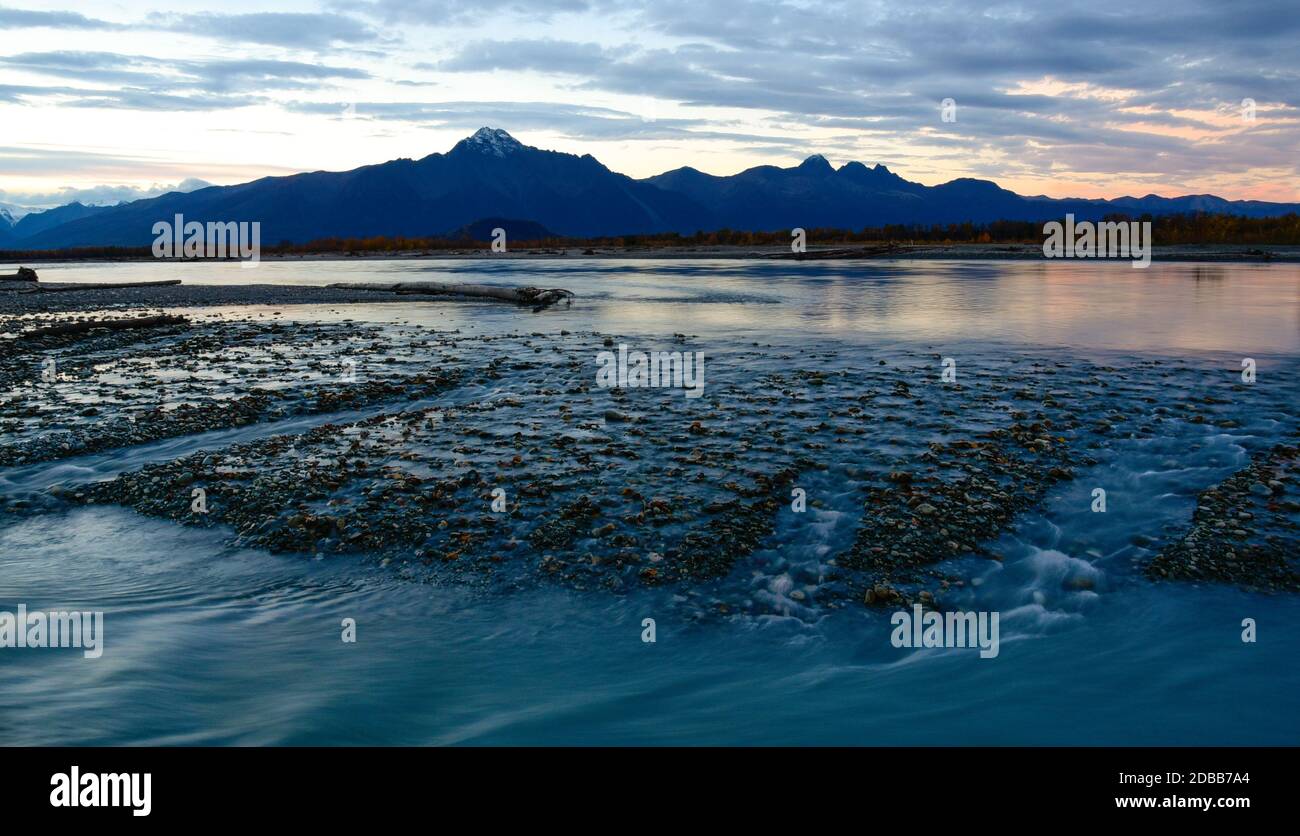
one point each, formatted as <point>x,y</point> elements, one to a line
<point>33,223</point>
<point>515,230</point>
<point>492,175</point>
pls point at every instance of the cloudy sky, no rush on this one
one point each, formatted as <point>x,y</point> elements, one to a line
<point>105,100</point>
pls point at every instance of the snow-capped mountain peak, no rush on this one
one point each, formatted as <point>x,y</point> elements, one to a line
<point>492,141</point>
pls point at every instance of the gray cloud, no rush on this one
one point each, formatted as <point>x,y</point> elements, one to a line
<point>443,12</point>
<point>873,73</point>
<point>550,56</point>
<point>301,30</point>
<point>24,93</point>
<point>44,160</point>
<point>104,195</point>
<point>143,83</point>
<point>882,72</point>
<point>295,30</point>
<point>112,168</point>
<point>575,121</point>
<point>26,19</point>
<point>94,67</point>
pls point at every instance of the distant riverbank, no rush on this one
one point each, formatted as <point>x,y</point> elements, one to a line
<point>1240,253</point>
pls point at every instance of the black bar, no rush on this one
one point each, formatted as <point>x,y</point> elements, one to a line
<point>208,785</point>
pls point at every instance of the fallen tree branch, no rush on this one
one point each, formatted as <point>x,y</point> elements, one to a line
<point>535,296</point>
<point>46,287</point>
<point>109,324</point>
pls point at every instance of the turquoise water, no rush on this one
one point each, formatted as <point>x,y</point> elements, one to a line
<point>209,643</point>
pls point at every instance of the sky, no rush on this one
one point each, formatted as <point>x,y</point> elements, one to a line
<point>109,101</point>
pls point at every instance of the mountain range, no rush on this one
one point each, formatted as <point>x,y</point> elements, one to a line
<point>493,175</point>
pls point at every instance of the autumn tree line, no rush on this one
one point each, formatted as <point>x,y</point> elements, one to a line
<point>1167,230</point>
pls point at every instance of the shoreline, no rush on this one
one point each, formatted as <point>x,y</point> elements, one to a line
<point>1235,253</point>
<point>159,298</point>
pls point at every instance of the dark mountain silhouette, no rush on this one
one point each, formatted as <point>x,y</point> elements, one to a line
<point>492,175</point>
<point>487,175</point>
<point>35,223</point>
<point>815,194</point>
<point>516,230</point>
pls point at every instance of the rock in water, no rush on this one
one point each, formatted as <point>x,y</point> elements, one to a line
<point>24,274</point>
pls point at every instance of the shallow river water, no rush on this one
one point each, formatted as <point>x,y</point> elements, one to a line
<point>209,643</point>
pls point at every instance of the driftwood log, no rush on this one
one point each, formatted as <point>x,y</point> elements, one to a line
<point>110,324</point>
<point>62,287</point>
<point>838,253</point>
<point>535,296</point>
<point>24,274</point>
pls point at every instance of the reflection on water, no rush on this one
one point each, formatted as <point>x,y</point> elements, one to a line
<point>1243,309</point>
